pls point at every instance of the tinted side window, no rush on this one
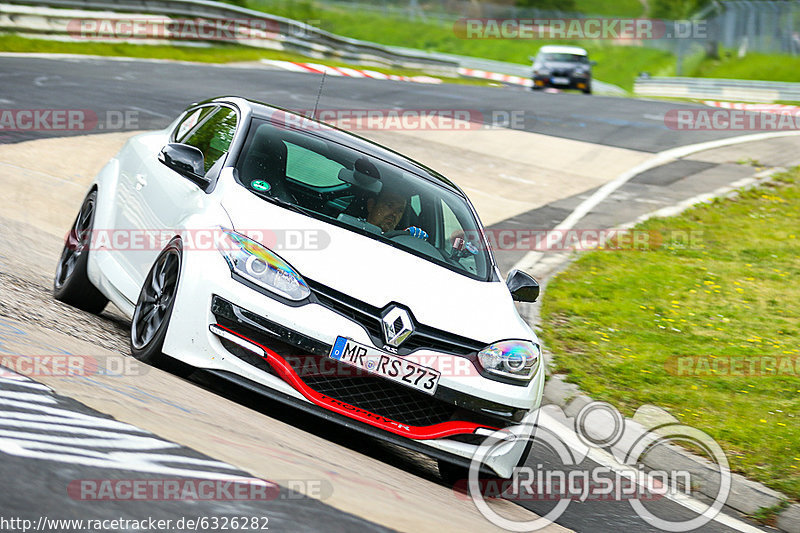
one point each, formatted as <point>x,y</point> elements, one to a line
<point>214,137</point>
<point>452,229</point>
<point>190,121</point>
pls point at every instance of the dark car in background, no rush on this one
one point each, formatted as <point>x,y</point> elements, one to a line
<point>563,67</point>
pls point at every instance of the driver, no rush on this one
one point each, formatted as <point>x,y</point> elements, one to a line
<point>386,210</point>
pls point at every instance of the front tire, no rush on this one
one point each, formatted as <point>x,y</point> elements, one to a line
<point>154,310</point>
<point>71,284</point>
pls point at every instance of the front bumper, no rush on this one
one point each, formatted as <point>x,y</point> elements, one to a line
<point>582,84</point>
<point>266,344</point>
<point>303,362</point>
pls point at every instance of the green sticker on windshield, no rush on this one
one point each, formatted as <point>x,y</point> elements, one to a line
<point>260,185</point>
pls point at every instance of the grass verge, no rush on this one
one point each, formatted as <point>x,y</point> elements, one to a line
<point>231,53</point>
<point>751,67</point>
<point>618,322</point>
<point>769,515</point>
<point>616,64</point>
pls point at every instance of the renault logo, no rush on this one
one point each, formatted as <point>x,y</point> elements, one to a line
<point>397,326</point>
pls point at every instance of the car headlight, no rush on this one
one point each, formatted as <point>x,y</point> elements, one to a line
<point>580,73</point>
<point>511,359</point>
<point>256,264</point>
<point>542,71</point>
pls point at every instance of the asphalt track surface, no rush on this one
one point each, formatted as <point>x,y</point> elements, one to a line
<point>31,490</point>
<point>158,91</point>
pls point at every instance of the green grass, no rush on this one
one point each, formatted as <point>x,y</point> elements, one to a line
<point>751,67</point>
<point>214,54</point>
<point>769,515</point>
<point>621,8</point>
<point>619,65</point>
<point>614,320</point>
<point>616,64</point>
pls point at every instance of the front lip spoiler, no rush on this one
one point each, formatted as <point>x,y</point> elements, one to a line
<point>288,374</point>
<point>322,412</point>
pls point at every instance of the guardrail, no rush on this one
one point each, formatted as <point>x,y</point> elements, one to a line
<point>718,89</point>
<point>286,34</point>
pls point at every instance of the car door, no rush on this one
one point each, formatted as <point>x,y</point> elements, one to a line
<point>166,198</point>
<point>125,248</point>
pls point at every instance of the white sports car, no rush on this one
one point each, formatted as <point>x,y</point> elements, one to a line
<point>315,267</point>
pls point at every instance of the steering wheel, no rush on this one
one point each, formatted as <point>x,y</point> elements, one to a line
<point>417,243</point>
<point>396,233</point>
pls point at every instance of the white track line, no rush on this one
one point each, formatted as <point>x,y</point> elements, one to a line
<point>605,459</point>
<point>531,258</point>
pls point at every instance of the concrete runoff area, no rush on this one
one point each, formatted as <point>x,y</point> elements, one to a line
<point>507,172</point>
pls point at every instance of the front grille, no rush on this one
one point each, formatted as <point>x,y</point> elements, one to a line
<point>369,317</point>
<point>346,384</point>
<point>383,397</point>
<point>343,382</point>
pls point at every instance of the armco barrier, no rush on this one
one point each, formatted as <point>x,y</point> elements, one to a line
<point>290,34</point>
<point>38,16</point>
<point>718,89</point>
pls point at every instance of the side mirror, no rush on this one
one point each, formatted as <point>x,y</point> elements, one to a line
<point>185,160</point>
<point>532,58</point>
<point>593,63</point>
<point>522,286</point>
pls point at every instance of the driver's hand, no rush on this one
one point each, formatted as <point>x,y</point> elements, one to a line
<point>417,232</point>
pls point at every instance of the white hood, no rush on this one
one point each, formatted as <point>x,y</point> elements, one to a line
<point>379,274</point>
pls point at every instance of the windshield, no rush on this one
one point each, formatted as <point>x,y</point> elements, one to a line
<point>364,194</point>
<point>565,58</point>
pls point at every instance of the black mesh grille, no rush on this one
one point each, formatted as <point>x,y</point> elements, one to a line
<point>348,384</point>
<point>385,398</point>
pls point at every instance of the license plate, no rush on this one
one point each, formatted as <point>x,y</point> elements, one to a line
<point>386,365</point>
<point>561,81</point>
